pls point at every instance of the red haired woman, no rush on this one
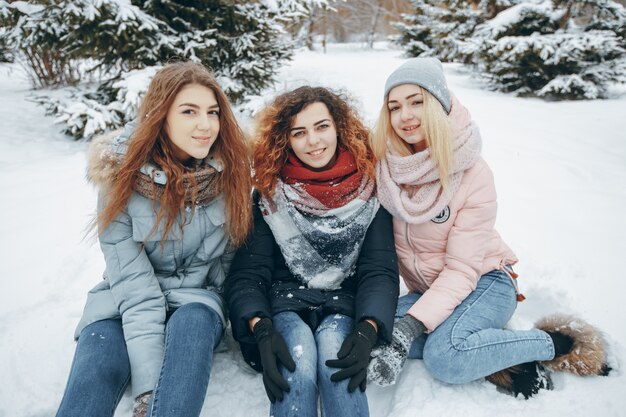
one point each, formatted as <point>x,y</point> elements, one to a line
<point>315,286</point>
<point>174,200</point>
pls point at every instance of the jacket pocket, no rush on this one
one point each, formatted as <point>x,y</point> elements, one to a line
<point>214,237</point>
<point>142,230</point>
<point>213,246</point>
<point>164,252</point>
<point>217,212</point>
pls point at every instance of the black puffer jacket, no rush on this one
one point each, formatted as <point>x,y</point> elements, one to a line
<point>260,285</point>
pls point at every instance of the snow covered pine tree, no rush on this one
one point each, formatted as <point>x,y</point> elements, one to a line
<point>553,49</point>
<point>128,42</point>
<point>436,27</point>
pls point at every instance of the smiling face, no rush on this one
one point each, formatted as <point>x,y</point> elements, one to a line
<point>192,122</point>
<point>313,137</point>
<point>405,104</point>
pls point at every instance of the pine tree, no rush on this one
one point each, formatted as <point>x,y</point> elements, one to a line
<point>33,30</point>
<point>6,54</point>
<point>242,42</point>
<point>437,27</point>
<point>490,8</point>
<point>6,49</point>
<point>116,34</point>
<point>111,41</point>
<point>416,31</point>
<point>553,49</point>
<point>300,17</point>
<point>54,38</point>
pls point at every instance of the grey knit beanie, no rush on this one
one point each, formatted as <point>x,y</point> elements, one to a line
<point>425,72</point>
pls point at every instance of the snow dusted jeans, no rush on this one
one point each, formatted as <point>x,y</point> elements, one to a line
<point>471,343</point>
<point>310,352</point>
<point>192,332</point>
<point>100,371</point>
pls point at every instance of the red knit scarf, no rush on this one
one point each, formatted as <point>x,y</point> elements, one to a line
<point>319,219</point>
<point>334,187</point>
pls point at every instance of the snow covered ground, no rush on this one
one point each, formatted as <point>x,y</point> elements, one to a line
<point>558,169</point>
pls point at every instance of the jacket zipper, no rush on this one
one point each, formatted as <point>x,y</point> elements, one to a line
<point>415,263</point>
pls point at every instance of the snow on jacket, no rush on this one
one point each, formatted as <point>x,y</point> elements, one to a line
<point>443,259</point>
<point>260,285</point>
<point>143,281</point>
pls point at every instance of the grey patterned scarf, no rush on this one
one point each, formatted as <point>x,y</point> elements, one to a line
<point>320,245</point>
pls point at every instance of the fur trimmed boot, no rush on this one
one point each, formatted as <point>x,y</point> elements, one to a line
<point>142,402</point>
<point>526,379</point>
<point>579,347</point>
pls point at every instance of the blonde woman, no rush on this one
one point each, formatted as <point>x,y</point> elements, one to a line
<point>462,291</point>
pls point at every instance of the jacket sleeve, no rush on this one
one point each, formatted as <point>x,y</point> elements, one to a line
<point>226,260</point>
<point>218,270</point>
<point>377,274</point>
<point>139,299</point>
<point>250,278</point>
<point>465,253</point>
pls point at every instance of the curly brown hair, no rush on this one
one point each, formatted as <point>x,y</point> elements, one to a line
<point>274,125</point>
<point>150,142</point>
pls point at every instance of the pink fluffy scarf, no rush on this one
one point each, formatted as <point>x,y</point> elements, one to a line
<point>409,187</point>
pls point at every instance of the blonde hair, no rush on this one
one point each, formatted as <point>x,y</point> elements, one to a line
<point>437,132</point>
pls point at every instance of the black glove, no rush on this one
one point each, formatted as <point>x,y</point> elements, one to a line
<point>273,349</point>
<point>354,356</point>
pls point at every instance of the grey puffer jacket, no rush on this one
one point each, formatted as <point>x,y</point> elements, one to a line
<point>142,280</point>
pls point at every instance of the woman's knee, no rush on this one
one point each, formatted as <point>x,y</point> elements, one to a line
<point>94,365</point>
<point>102,346</point>
<point>194,323</point>
<point>446,365</point>
<point>194,314</point>
<point>304,377</point>
<point>302,348</point>
<point>116,372</point>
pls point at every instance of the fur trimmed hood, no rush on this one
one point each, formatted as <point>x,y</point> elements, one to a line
<point>106,153</point>
<point>104,159</point>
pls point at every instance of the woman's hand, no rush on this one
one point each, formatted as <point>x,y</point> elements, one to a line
<point>272,348</point>
<point>389,360</point>
<point>354,355</point>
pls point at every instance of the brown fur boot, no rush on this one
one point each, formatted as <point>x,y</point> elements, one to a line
<point>587,355</point>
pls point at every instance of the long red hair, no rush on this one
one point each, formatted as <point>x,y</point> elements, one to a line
<point>151,143</point>
<point>274,125</point>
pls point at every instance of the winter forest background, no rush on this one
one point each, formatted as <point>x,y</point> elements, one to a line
<point>102,53</point>
<point>544,79</point>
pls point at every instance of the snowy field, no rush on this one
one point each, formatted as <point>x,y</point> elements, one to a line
<point>558,170</point>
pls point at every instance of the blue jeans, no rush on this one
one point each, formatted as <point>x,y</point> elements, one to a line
<point>310,352</point>
<point>471,343</point>
<point>101,370</point>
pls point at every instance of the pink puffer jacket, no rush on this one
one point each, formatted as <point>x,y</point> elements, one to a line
<point>444,258</point>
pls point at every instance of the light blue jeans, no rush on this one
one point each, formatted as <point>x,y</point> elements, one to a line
<point>100,370</point>
<point>471,343</point>
<point>310,352</point>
